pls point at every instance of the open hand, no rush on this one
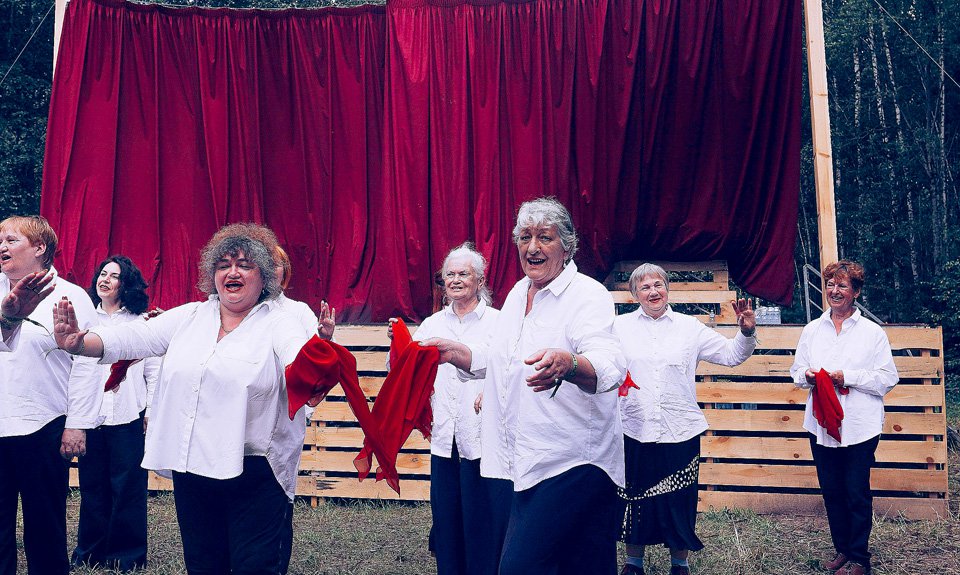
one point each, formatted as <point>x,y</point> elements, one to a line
<point>328,321</point>
<point>746,318</point>
<point>66,331</point>
<point>27,294</point>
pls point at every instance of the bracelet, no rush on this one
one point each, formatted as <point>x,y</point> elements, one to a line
<point>10,322</point>
<point>573,370</point>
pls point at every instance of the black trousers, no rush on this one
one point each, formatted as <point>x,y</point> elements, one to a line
<point>568,524</point>
<point>844,475</point>
<point>241,526</point>
<point>31,468</point>
<point>112,531</point>
<point>470,516</point>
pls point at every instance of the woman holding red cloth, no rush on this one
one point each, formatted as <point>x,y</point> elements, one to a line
<point>854,355</point>
<point>220,423</point>
<point>550,422</point>
<point>469,511</point>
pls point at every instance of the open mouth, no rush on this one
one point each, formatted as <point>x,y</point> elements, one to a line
<point>5,258</point>
<point>536,261</point>
<point>233,286</point>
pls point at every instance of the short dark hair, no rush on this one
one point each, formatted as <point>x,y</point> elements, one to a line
<point>845,269</point>
<point>133,295</point>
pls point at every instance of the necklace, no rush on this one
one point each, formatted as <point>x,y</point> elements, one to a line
<point>225,330</point>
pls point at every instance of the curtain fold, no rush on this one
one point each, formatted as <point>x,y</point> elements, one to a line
<point>372,139</point>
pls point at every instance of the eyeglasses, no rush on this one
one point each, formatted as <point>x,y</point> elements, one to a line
<point>455,275</point>
<point>647,287</point>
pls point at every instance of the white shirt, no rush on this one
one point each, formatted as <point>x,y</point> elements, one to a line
<point>136,390</point>
<point>217,402</point>
<point>38,381</point>
<point>452,399</point>
<point>862,351</point>
<point>662,356</point>
<point>301,311</point>
<point>528,437</point>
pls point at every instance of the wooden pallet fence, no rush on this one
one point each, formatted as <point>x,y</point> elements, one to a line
<point>756,454</point>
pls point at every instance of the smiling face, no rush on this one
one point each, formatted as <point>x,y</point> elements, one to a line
<point>653,295</point>
<point>460,283</point>
<point>238,283</point>
<point>541,254</point>
<point>18,257</point>
<point>108,284</point>
<point>841,295</point>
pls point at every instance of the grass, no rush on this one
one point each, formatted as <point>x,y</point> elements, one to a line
<point>356,538</point>
<point>370,537</point>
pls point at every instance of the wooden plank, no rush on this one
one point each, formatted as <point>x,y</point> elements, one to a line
<point>350,487</point>
<point>370,384</point>
<point>627,266</point>
<point>353,437</point>
<point>779,366</point>
<point>900,336</point>
<point>781,420</point>
<point>904,395</point>
<point>371,361</point>
<point>674,286</point>
<point>810,504</point>
<point>366,335</point>
<point>342,461</point>
<point>794,476</point>
<point>798,449</point>
<point>691,296</point>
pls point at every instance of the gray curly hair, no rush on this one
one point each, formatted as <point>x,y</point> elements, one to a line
<point>548,212</point>
<point>256,242</point>
<point>477,262</point>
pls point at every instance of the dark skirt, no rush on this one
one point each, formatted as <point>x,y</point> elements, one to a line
<point>661,494</point>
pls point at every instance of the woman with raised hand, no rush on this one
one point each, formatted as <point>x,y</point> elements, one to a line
<point>549,420</point>
<point>112,530</point>
<point>851,357</point>
<point>328,316</point>
<point>48,398</point>
<point>219,420</point>
<point>662,421</point>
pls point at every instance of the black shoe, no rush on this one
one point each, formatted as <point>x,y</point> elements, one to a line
<point>629,569</point>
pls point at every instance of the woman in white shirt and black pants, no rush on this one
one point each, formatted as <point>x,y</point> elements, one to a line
<point>662,422</point>
<point>856,354</point>
<point>112,531</point>
<point>219,419</point>
<point>549,417</point>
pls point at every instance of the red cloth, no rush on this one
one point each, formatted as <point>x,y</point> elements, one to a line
<point>626,385</point>
<point>402,404</point>
<point>826,404</point>
<point>670,129</point>
<point>318,367</point>
<point>118,372</point>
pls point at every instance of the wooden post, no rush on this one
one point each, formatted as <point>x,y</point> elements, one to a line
<point>58,13</point>
<point>822,152</point>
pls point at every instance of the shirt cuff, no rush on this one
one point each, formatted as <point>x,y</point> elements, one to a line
<point>110,351</point>
<point>609,376</point>
<point>77,422</point>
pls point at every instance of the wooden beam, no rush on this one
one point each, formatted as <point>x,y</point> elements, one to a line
<point>822,151</point>
<point>58,13</point>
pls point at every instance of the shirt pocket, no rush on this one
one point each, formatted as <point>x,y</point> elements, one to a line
<point>545,332</point>
<point>246,370</point>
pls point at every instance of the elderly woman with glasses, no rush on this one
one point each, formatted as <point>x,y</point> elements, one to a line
<point>662,422</point>
<point>48,398</point>
<point>469,511</point>
<point>549,420</point>
<point>219,420</point>
<point>851,357</point>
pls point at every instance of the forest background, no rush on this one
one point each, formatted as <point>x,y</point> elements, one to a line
<point>892,70</point>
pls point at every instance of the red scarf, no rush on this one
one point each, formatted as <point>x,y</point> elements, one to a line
<point>318,367</point>
<point>402,405</point>
<point>626,385</point>
<point>826,404</point>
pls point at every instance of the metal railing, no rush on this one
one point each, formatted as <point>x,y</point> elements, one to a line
<point>812,282</point>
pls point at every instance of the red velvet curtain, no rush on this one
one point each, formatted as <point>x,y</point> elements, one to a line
<point>374,140</point>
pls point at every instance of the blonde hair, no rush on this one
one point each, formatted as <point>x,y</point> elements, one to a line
<point>38,231</point>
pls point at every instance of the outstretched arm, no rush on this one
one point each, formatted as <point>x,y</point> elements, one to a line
<point>67,332</point>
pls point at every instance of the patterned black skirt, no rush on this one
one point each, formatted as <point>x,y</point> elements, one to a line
<point>661,494</point>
